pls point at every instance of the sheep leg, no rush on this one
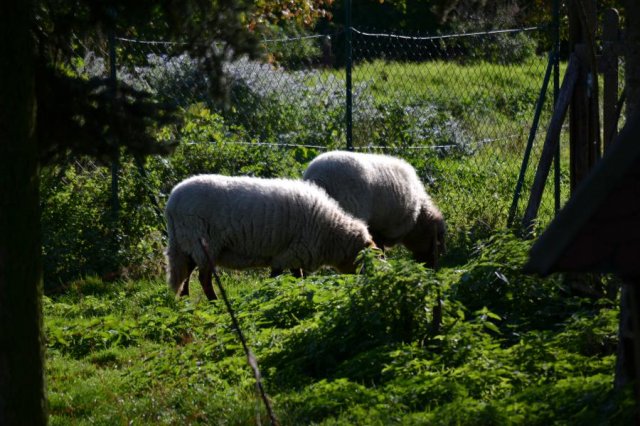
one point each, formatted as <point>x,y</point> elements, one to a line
<point>191,265</point>
<point>180,266</point>
<point>204,275</point>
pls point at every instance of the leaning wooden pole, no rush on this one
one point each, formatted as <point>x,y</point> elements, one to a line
<point>551,141</point>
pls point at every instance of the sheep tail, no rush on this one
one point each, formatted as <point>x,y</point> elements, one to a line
<point>179,264</point>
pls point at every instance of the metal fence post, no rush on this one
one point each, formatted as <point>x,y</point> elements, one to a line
<point>115,163</point>
<point>348,66</point>
<point>532,136</point>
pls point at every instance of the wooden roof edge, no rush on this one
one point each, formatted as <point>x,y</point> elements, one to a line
<point>590,193</point>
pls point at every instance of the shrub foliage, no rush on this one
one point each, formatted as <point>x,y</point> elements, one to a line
<point>341,349</point>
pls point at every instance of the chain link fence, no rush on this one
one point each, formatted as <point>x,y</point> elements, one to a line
<point>458,107</point>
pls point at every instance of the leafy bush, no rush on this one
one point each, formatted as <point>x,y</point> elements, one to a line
<point>499,48</point>
<point>207,144</point>
<point>301,107</point>
<point>390,303</point>
<point>509,48</point>
<point>272,104</point>
<point>291,47</point>
<point>77,223</point>
<point>81,234</point>
<point>494,278</point>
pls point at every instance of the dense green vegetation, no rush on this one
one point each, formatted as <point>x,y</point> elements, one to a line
<point>467,149</point>
<point>511,349</point>
<point>333,349</point>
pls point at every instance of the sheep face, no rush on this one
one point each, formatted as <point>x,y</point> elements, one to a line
<point>427,239</point>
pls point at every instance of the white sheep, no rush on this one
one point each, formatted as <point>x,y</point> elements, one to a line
<point>386,193</point>
<point>253,222</point>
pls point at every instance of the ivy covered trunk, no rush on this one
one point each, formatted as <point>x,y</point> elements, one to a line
<point>22,396</point>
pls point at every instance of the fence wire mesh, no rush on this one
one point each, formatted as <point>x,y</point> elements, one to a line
<point>462,104</point>
<point>458,107</point>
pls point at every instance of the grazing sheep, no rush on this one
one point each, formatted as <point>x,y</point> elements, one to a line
<point>387,194</point>
<point>252,222</point>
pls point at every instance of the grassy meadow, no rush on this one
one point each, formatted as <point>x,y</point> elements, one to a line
<point>511,349</point>
<point>475,342</point>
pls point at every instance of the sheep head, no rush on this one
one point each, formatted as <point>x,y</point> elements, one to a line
<point>348,266</point>
<point>427,238</point>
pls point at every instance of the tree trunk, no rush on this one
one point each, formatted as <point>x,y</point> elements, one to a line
<point>22,395</point>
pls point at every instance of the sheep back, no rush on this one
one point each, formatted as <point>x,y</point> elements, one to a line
<point>250,222</point>
<point>385,192</point>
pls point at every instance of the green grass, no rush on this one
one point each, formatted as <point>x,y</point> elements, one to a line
<point>334,349</point>
<point>493,101</point>
<point>438,80</point>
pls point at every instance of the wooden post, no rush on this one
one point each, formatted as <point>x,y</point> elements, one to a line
<point>609,68</point>
<point>583,118</point>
